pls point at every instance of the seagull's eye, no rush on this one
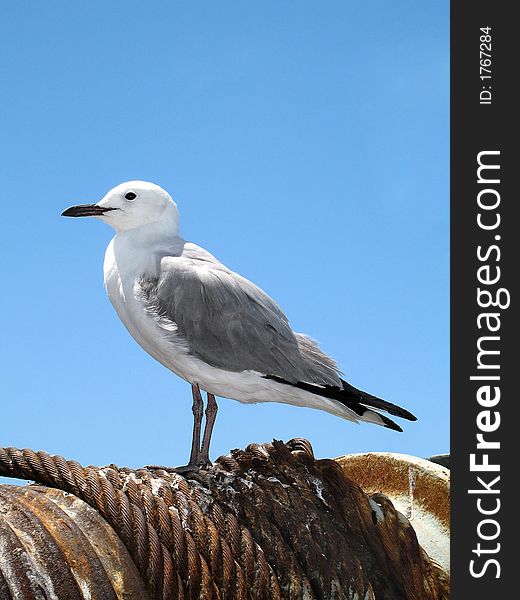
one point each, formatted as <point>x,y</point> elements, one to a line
<point>130,196</point>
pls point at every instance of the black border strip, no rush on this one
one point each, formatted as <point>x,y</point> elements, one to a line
<point>477,128</point>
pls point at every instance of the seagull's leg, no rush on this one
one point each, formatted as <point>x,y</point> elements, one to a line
<point>198,409</point>
<point>195,456</point>
<point>211,415</point>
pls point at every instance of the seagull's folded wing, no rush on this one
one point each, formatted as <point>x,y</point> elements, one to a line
<point>226,320</point>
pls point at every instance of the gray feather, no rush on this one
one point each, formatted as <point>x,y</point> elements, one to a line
<point>323,368</point>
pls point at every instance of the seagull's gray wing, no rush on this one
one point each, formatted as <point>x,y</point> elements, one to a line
<point>230,323</point>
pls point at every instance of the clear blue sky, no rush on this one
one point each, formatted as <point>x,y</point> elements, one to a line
<point>306,144</point>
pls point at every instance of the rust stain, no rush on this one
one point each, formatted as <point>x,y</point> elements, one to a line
<point>116,560</point>
<point>36,552</point>
<point>78,557</point>
<point>53,546</point>
<point>400,475</point>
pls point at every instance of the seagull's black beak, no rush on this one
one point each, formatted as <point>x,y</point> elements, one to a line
<point>86,210</point>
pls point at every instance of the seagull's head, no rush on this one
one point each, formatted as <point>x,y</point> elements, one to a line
<point>131,205</point>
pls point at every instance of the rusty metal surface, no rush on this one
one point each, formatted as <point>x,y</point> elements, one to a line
<point>266,523</point>
<point>418,488</point>
<point>54,546</point>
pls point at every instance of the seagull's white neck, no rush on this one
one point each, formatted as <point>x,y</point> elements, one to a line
<point>135,251</point>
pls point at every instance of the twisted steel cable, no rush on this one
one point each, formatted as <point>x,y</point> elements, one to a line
<point>267,522</point>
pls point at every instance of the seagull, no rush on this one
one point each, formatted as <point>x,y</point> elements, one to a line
<point>209,325</point>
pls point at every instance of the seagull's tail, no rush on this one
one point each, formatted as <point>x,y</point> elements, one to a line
<point>358,404</point>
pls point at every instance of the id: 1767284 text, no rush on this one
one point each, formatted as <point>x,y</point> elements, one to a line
<point>485,65</point>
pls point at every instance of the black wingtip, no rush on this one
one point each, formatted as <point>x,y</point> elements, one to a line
<point>401,412</point>
<point>389,424</point>
<point>377,403</point>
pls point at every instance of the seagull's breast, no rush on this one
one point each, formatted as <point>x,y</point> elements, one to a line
<point>123,267</point>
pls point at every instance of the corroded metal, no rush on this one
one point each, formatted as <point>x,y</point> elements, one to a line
<point>418,488</point>
<point>53,545</point>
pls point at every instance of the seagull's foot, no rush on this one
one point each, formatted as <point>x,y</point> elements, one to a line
<point>189,468</point>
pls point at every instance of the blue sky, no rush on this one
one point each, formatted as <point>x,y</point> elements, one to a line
<point>306,144</point>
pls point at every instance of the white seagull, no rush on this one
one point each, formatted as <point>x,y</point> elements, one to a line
<point>209,325</point>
